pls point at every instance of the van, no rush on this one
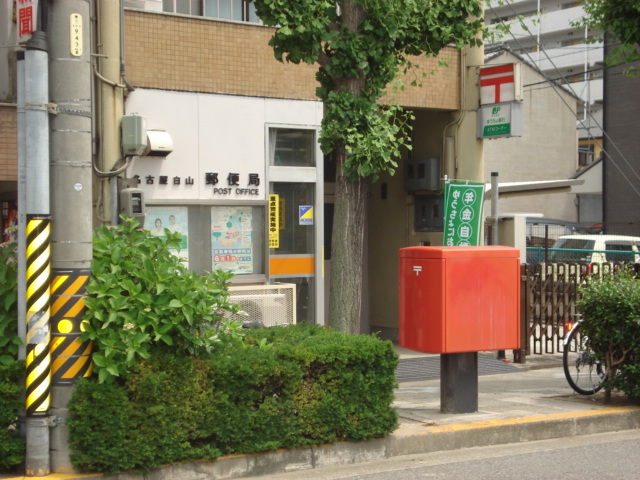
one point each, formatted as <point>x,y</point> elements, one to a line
<point>595,249</point>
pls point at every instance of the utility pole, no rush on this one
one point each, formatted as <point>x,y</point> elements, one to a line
<point>38,263</point>
<point>71,207</point>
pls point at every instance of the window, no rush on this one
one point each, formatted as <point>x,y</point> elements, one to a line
<point>586,155</point>
<point>227,237</point>
<point>186,7</point>
<point>238,10</point>
<point>625,249</point>
<point>237,239</point>
<point>292,147</point>
<point>575,250</point>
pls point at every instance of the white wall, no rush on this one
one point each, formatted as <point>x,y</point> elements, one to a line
<point>212,133</point>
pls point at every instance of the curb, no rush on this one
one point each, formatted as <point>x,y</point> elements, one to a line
<point>407,440</point>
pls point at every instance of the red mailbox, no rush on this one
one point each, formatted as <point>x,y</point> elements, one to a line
<point>459,299</point>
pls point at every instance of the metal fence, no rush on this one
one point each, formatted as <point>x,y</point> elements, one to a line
<point>549,292</point>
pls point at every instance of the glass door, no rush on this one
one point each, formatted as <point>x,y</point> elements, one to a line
<point>295,253</point>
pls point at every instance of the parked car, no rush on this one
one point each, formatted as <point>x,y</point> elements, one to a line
<point>543,232</point>
<point>595,249</point>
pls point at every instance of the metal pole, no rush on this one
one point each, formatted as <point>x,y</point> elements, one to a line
<point>71,206</point>
<point>38,266</point>
<point>494,208</point>
<point>495,195</point>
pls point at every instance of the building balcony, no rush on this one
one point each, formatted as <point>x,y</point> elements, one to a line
<point>590,91</point>
<point>571,57</point>
<point>556,24</point>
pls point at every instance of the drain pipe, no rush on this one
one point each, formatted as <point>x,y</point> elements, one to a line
<point>22,202</point>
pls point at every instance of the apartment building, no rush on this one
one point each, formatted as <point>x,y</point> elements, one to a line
<point>542,32</point>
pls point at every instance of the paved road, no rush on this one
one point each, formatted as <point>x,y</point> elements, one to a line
<point>588,457</point>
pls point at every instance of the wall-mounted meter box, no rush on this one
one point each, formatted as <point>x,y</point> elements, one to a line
<point>132,204</point>
<point>134,134</point>
<point>422,174</point>
<point>428,213</point>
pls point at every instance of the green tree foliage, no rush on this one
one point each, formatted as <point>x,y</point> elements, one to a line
<point>611,308</point>
<point>620,19</point>
<point>360,47</point>
<point>9,341</point>
<point>12,445</point>
<point>141,299</point>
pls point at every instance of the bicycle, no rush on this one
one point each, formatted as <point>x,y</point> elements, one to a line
<point>584,372</point>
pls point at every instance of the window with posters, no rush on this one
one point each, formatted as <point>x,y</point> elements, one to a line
<point>232,239</point>
<point>174,219</point>
<point>227,237</point>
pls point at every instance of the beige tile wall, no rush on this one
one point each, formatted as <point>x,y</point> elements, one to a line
<point>8,144</point>
<point>204,55</point>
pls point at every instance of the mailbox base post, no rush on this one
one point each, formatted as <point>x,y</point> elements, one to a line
<point>459,382</point>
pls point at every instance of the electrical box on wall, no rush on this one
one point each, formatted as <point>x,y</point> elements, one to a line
<point>132,204</point>
<point>422,174</point>
<point>134,134</point>
<point>428,213</point>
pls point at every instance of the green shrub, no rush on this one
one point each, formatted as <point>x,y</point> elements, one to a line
<point>141,298</point>
<point>162,413</point>
<point>12,446</point>
<point>611,308</point>
<point>304,386</point>
<point>257,412</point>
<point>9,340</point>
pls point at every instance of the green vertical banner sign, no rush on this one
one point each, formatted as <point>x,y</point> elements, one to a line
<point>463,202</point>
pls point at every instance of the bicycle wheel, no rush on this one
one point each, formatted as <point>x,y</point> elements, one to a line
<point>584,372</point>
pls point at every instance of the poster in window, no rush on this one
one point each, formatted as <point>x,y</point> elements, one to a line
<point>232,239</point>
<point>174,219</point>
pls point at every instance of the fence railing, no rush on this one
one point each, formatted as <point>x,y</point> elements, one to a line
<point>544,254</point>
<point>549,292</point>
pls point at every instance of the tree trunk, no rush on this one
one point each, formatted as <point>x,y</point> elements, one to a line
<point>347,252</point>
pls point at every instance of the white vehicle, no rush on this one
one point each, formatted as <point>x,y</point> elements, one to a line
<point>595,249</point>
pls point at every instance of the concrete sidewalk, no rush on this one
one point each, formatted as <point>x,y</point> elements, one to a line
<point>516,403</point>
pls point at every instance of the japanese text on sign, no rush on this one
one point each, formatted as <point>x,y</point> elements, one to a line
<point>75,33</point>
<point>233,182</point>
<point>274,220</point>
<point>463,213</point>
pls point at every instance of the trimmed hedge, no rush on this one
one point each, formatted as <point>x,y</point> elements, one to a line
<point>287,387</point>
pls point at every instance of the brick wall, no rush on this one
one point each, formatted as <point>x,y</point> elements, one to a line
<point>8,144</point>
<point>205,55</point>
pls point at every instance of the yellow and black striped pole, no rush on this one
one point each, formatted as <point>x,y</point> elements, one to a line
<point>71,359</point>
<point>38,357</point>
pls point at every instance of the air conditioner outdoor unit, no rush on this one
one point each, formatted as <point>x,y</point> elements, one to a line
<point>267,310</point>
<point>266,305</point>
